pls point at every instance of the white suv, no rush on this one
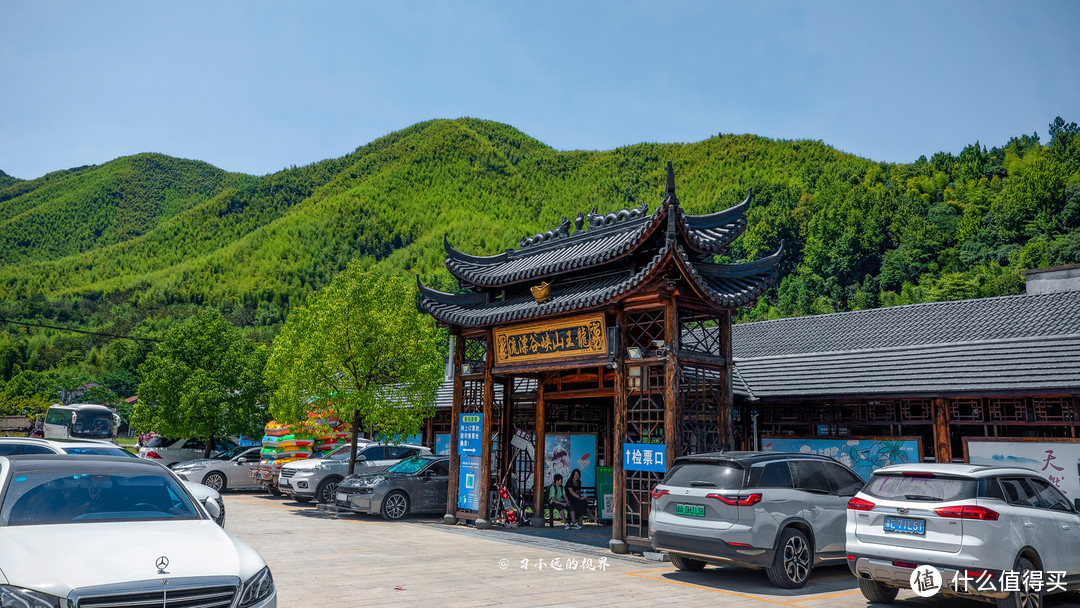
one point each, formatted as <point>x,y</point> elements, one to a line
<point>318,478</point>
<point>985,529</point>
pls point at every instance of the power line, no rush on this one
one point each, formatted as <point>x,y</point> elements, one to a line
<point>78,331</point>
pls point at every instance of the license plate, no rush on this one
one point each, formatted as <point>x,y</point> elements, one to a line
<point>904,525</point>
<point>282,481</point>
<point>342,496</point>
<point>690,510</point>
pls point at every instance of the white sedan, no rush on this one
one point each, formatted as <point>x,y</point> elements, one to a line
<point>132,536</point>
<point>229,470</point>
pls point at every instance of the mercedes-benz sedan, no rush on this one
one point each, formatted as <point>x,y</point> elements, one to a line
<point>172,551</point>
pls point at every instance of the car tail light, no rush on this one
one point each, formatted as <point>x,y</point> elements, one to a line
<point>740,544</point>
<point>657,492</point>
<point>967,512</point>
<point>851,558</point>
<point>858,504</point>
<point>905,565</point>
<point>153,455</point>
<point>979,574</point>
<point>752,499</point>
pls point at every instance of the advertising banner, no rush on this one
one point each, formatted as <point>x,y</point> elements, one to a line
<point>863,454</point>
<point>468,483</point>
<point>1057,460</point>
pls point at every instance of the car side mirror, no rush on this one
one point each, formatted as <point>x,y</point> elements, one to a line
<point>212,508</point>
<point>361,458</point>
<point>1076,504</point>
<point>428,474</point>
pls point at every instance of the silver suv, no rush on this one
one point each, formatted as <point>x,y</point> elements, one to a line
<point>318,478</point>
<point>972,523</point>
<point>780,512</point>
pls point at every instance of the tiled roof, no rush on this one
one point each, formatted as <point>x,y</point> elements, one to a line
<point>1009,344</point>
<point>580,250</point>
<point>1047,314</point>
<point>727,285</point>
<point>712,233</point>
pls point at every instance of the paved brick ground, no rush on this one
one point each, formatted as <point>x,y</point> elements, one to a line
<point>322,561</point>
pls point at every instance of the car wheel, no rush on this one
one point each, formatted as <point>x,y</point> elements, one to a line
<point>793,560</point>
<point>1025,598</point>
<point>876,592</point>
<point>686,563</point>
<point>395,505</point>
<point>324,493</point>
<point>214,480</point>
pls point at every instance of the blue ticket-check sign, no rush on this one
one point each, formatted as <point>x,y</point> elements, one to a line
<point>470,434</point>
<point>645,457</point>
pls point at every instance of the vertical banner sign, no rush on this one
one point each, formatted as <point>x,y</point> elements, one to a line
<point>644,457</point>
<point>470,434</point>
<point>468,483</point>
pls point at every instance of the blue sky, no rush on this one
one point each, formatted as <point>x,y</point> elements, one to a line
<point>258,86</point>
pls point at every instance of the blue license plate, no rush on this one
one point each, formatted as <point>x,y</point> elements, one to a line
<point>904,525</point>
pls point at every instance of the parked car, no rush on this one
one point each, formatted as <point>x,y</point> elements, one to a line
<point>413,485</point>
<point>229,470</point>
<point>779,512</point>
<point>171,546</point>
<point>20,446</point>
<point>965,520</point>
<point>171,451</point>
<point>318,478</point>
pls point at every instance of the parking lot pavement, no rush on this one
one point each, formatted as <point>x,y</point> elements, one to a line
<point>319,560</point>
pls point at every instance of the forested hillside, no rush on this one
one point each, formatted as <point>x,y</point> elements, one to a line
<point>129,246</point>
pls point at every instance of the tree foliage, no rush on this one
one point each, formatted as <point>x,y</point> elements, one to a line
<point>361,349</point>
<point>203,380</point>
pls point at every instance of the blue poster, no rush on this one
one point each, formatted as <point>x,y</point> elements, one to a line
<point>470,434</point>
<point>645,457</point>
<point>563,454</point>
<point>864,456</point>
<point>468,483</point>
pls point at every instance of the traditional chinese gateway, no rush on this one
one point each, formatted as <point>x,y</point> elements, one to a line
<point>613,333</point>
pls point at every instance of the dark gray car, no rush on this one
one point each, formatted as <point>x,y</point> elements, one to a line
<point>780,512</point>
<point>413,485</point>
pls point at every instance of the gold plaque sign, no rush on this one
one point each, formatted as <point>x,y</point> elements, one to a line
<point>563,339</point>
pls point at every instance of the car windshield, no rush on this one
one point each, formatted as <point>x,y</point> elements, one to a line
<point>408,466</point>
<point>921,487</point>
<point>92,423</point>
<point>232,453</point>
<point>93,450</point>
<point>40,494</point>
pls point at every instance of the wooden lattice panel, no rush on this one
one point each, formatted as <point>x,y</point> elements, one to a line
<point>700,395</point>
<point>639,486</point>
<point>702,335</point>
<point>642,329</point>
<point>966,410</point>
<point>475,353</point>
<point>1058,409</point>
<point>1008,410</point>
<point>880,411</point>
<point>916,410</point>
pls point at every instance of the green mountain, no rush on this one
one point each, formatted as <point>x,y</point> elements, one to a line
<point>127,246</point>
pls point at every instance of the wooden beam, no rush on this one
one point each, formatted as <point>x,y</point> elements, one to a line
<point>727,434</point>
<point>671,380</point>
<point>455,414</point>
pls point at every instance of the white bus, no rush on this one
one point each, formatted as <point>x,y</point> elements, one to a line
<point>81,421</point>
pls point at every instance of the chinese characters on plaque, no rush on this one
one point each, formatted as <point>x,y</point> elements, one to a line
<point>576,337</point>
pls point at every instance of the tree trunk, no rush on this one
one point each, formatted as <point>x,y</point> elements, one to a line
<point>209,447</point>
<point>353,434</point>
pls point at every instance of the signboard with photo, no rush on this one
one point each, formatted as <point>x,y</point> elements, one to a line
<point>563,454</point>
<point>1056,459</point>
<point>863,454</point>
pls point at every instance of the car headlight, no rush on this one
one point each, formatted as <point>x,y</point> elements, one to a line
<point>17,597</point>
<point>257,588</point>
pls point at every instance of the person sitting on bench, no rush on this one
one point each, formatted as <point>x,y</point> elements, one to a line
<point>578,504</point>
<point>557,500</point>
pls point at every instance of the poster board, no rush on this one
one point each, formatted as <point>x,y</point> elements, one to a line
<point>563,454</point>
<point>1055,459</point>
<point>862,453</point>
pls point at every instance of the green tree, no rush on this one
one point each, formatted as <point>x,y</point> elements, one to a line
<point>361,347</point>
<point>203,380</point>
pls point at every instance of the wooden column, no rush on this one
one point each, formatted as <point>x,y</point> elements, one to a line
<point>671,380</point>
<point>538,457</point>
<point>618,544</point>
<point>455,414</point>
<point>727,431</point>
<point>506,432</point>
<point>942,442</point>
<point>482,521</point>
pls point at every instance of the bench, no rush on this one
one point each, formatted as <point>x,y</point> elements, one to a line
<point>587,492</point>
